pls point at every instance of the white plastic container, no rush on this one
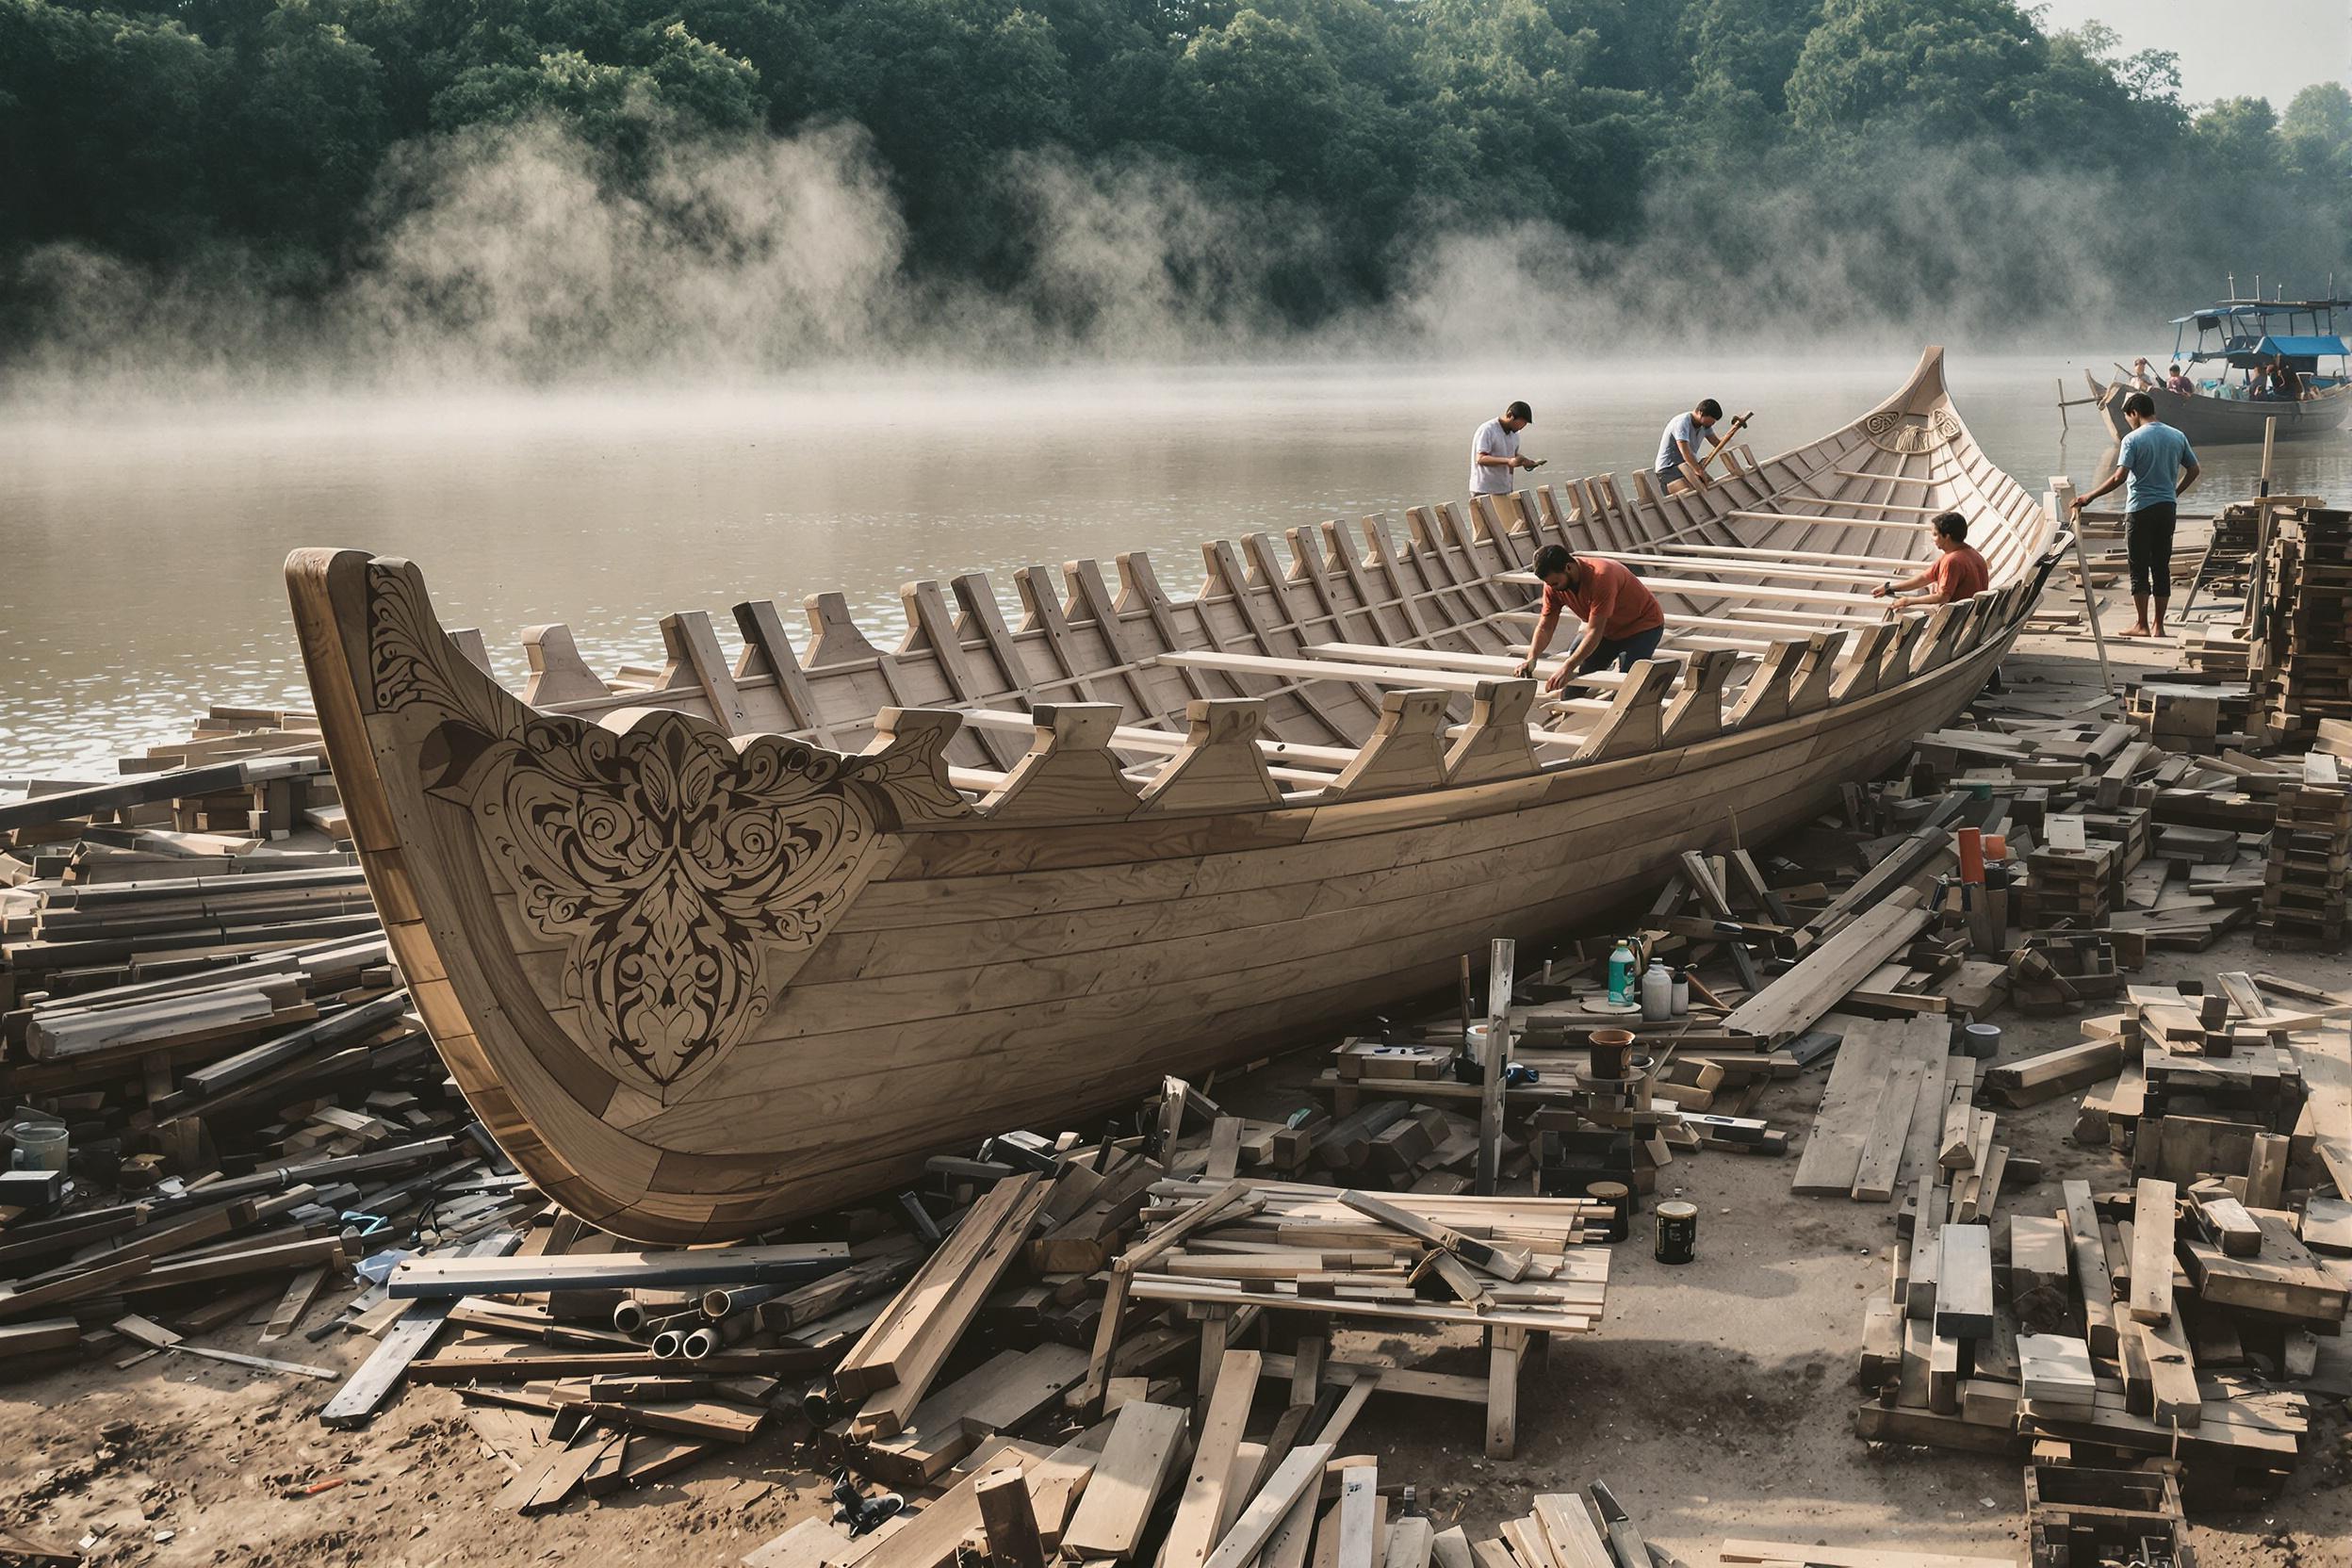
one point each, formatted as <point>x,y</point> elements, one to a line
<point>1658,993</point>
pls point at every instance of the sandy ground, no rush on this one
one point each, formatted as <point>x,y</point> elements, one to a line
<point>1717,1401</point>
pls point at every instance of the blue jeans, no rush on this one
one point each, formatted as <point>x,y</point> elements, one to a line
<point>1624,652</point>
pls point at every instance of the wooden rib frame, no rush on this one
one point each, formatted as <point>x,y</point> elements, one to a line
<point>1092,921</point>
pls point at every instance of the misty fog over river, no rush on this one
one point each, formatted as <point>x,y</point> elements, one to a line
<point>139,550</point>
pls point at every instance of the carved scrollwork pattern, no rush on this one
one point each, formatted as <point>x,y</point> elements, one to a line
<point>685,877</point>
<point>1897,433</point>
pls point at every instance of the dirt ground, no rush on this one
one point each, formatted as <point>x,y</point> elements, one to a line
<point>1716,1399</point>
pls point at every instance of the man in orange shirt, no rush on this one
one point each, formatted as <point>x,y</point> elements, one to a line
<point>1956,573</point>
<point>1623,622</point>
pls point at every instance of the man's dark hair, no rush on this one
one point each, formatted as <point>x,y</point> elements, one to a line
<point>2141,405</point>
<point>1709,408</point>
<point>1552,558</point>
<point>2174,370</point>
<point>1519,411</point>
<point>1952,526</point>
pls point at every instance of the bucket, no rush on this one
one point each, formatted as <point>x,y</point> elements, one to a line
<point>38,1148</point>
<point>1981,1041</point>
<point>1619,1198</point>
<point>1677,1233</point>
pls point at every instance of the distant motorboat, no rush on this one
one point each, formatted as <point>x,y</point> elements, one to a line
<point>2248,337</point>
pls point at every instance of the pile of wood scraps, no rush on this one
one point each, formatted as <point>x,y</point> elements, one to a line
<point>2302,630</point>
<point>2311,852</point>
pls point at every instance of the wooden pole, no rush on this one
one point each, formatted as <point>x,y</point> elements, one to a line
<point>2061,502</point>
<point>2258,582</point>
<point>1498,1057</point>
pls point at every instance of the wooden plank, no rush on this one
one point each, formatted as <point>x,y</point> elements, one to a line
<point>1745,1551</point>
<point>1297,1476</point>
<point>1881,1156</point>
<point>356,1402</point>
<point>296,1301</point>
<point>1193,1534</point>
<point>1503,1262</point>
<point>494,1276</point>
<point>1964,1283</point>
<point>1009,1519</point>
<point>1357,1524</point>
<point>2152,1212</point>
<point>937,1326</point>
<point>1833,1151</point>
<point>1798,999</point>
<point>1569,1530</point>
<point>1118,1503</point>
<point>2090,1268</point>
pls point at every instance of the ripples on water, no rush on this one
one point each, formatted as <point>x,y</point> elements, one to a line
<point>139,553</point>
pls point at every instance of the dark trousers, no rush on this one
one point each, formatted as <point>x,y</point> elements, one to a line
<point>1624,652</point>
<point>2148,541</point>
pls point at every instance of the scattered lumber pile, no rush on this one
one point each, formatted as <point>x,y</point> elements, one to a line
<point>2310,849</point>
<point>2303,625</point>
<point>2171,1315</point>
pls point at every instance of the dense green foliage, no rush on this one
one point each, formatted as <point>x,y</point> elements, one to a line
<point>1922,145</point>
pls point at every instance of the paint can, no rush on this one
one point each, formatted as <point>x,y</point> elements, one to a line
<point>1981,1041</point>
<point>1619,1198</point>
<point>1677,1231</point>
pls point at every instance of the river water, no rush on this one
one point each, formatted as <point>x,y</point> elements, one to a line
<point>139,550</point>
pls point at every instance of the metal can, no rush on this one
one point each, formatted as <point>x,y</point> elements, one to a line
<point>1677,1231</point>
<point>1619,1198</point>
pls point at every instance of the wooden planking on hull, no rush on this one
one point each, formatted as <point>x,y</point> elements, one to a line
<point>697,976</point>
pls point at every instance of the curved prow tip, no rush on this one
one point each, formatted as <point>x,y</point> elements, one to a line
<point>1923,388</point>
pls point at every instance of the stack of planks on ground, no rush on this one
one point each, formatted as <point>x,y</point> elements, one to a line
<point>2302,630</point>
<point>2310,860</point>
<point>1512,1267</point>
<point>1561,1530</point>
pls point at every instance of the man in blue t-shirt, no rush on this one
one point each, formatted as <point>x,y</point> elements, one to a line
<point>1682,451</point>
<point>2159,465</point>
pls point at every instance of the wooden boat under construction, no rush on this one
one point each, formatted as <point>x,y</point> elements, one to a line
<point>741,938</point>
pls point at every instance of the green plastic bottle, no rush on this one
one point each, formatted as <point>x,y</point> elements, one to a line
<point>1621,975</point>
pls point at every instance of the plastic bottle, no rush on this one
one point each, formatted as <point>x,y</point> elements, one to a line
<point>1658,993</point>
<point>1682,993</point>
<point>1621,975</point>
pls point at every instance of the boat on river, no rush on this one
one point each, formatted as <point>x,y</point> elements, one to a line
<point>716,943</point>
<point>2245,336</point>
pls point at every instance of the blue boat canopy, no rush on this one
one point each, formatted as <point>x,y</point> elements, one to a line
<point>2301,348</point>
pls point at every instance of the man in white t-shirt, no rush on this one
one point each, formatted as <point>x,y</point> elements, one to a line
<point>1495,452</point>
<point>1682,451</point>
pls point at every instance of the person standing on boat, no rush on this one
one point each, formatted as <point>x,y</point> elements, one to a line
<point>1495,452</point>
<point>2158,464</point>
<point>2180,384</point>
<point>1623,622</point>
<point>1957,572</point>
<point>1682,451</point>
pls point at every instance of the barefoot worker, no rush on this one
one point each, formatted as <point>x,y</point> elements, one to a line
<point>2159,465</point>
<point>1682,451</point>
<point>1621,620</point>
<point>1957,572</point>
<point>1495,452</point>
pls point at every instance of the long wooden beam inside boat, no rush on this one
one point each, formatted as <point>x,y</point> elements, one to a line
<point>908,925</point>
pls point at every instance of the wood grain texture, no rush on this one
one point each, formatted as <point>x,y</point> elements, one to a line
<point>730,948</point>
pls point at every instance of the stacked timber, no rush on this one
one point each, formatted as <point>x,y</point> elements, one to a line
<point>1562,1531</point>
<point>2176,1311</point>
<point>2304,625</point>
<point>2311,849</point>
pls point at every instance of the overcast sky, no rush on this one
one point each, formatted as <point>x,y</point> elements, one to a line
<point>2229,48</point>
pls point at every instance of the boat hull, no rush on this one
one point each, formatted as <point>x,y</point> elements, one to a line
<point>729,941</point>
<point>989,977</point>
<point>2229,421</point>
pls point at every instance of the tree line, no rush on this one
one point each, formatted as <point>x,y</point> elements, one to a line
<point>267,134</point>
